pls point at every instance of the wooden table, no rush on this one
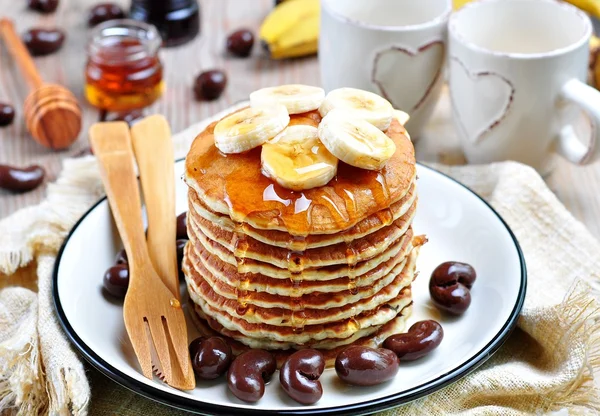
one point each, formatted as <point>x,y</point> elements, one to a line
<point>577,187</point>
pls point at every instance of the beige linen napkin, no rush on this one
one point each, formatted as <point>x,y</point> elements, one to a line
<point>548,363</point>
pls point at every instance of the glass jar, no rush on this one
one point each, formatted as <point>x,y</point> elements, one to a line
<point>123,70</point>
<point>178,21</point>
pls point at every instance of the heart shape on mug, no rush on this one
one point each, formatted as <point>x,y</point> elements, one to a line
<point>406,76</point>
<point>480,100</point>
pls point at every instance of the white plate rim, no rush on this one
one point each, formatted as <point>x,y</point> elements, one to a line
<point>366,407</point>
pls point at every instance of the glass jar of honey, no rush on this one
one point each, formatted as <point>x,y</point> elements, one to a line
<point>123,70</point>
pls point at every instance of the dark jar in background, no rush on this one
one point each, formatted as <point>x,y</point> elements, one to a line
<point>123,70</point>
<point>178,21</point>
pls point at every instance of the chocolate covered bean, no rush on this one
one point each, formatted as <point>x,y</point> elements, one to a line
<point>365,366</point>
<point>21,179</point>
<point>450,286</point>
<point>248,374</point>
<point>299,376</point>
<point>421,338</point>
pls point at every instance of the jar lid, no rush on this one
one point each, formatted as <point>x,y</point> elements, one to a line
<point>123,40</point>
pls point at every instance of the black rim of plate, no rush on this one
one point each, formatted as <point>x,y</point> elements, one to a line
<point>370,406</point>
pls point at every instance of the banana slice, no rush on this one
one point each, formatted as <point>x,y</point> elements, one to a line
<point>297,98</point>
<point>356,142</point>
<point>401,116</point>
<point>250,128</point>
<point>297,160</point>
<point>359,104</point>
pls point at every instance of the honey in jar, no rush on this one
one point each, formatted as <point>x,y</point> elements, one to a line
<point>123,71</point>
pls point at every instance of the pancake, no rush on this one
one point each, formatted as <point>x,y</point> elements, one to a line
<point>318,300</point>
<point>239,343</point>
<point>260,307</point>
<point>199,241</point>
<point>234,185</point>
<point>341,253</point>
<point>283,239</point>
<point>327,267</point>
<point>293,327</point>
<point>360,325</point>
<point>228,274</point>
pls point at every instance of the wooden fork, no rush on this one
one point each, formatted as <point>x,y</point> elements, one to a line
<point>153,316</point>
<point>151,138</point>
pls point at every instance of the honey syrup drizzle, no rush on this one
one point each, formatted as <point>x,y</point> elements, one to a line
<point>240,248</point>
<point>298,316</point>
<point>353,323</point>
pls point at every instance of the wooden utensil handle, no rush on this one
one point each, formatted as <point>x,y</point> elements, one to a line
<point>111,143</point>
<point>154,154</point>
<point>20,54</point>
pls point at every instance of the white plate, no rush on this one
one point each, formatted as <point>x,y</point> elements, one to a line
<point>460,226</point>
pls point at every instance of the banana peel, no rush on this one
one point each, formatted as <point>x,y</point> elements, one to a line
<point>292,29</point>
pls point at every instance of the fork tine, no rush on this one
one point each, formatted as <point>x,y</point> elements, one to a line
<point>141,345</point>
<point>161,344</point>
<point>181,380</point>
<point>176,326</point>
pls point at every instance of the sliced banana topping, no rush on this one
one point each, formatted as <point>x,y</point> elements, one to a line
<point>297,160</point>
<point>401,116</point>
<point>354,141</point>
<point>359,104</point>
<point>250,128</point>
<point>297,98</point>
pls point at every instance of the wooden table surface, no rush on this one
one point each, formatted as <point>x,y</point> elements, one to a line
<point>577,187</point>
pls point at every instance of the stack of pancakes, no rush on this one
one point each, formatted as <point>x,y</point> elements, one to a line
<point>282,270</point>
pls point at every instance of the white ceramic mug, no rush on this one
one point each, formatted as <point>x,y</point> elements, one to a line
<point>516,76</point>
<point>394,48</point>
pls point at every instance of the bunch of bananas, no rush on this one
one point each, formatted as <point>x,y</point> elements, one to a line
<point>292,29</point>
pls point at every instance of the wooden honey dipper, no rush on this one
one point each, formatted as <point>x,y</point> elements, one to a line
<point>52,114</point>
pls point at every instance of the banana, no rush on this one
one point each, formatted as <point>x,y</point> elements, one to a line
<point>401,116</point>
<point>590,6</point>
<point>296,98</point>
<point>297,160</point>
<point>594,68</point>
<point>292,29</point>
<point>359,104</point>
<point>250,128</point>
<point>459,3</point>
<point>355,141</point>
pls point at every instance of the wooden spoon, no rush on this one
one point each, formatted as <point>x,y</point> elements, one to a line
<point>52,114</point>
<point>150,307</point>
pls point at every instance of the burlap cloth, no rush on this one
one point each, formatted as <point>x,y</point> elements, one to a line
<point>547,365</point>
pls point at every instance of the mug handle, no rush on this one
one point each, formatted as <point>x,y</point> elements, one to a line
<point>568,144</point>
